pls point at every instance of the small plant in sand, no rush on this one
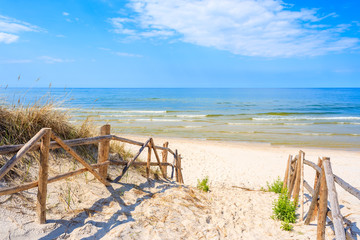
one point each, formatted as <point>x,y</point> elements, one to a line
<point>203,184</point>
<point>286,226</point>
<point>275,186</point>
<point>284,210</point>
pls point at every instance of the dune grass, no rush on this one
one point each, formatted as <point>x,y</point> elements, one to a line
<point>20,122</point>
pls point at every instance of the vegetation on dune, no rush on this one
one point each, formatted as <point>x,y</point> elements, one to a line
<point>19,123</point>
<point>275,186</point>
<point>203,184</point>
<point>283,208</point>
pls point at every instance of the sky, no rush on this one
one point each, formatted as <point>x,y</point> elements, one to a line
<point>179,43</point>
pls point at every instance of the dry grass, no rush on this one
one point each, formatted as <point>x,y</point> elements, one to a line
<point>19,123</point>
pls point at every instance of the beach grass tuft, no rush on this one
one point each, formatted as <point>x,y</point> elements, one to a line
<point>20,122</point>
<point>203,184</point>
<point>276,186</point>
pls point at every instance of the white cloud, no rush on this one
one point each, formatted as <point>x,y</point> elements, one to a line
<point>8,38</point>
<point>124,54</point>
<point>51,60</point>
<point>65,13</point>
<point>246,27</point>
<point>9,27</point>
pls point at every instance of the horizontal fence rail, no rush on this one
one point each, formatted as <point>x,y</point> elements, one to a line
<point>323,191</point>
<point>42,141</point>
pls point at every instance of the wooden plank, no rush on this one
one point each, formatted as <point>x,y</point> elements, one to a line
<point>132,161</point>
<point>317,174</point>
<point>43,177</point>
<point>289,173</point>
<point>120,139</point>
<point>350,189</point>
<point>165,156</point>
<point>298,180</point>
<point>334,203</point>
<point>293,179</point>
<point>286,175</point>
<point>11,190</point>
<point>322,207</point>
<point>180,170</point>
<point>23,150</point>
<point>6,149</point>
<point>148,160</point>
<point>78,158</point>
<point>313,165</point>
<point>157,158</point>
<point>103,150</point>
<point>123,163</point>
<point>176,166</point>
<point>308,188</point>
<point>302,187</point>
<point>314,202</point>
<point>347,222</point>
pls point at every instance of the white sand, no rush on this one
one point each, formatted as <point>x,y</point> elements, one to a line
<point>161,210</point>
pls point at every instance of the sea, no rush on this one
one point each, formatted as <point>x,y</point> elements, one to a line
<point>302,117</point>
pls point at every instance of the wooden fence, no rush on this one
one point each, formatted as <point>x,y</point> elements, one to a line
<point>42,142</point>
<point>324,190</point>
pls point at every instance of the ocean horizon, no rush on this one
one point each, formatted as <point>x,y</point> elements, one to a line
<point>302,117</point>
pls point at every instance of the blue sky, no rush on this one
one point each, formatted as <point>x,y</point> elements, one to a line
<point>180,43</point>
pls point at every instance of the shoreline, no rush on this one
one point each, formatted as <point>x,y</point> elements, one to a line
<point>234,142</point>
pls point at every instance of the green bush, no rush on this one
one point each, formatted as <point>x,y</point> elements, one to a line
<point>284,209</point>
<point>276,186</point>
<point>203,184</point>
<point>286,226</point>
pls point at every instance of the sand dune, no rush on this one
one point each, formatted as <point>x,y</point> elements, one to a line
<point>141,209</point>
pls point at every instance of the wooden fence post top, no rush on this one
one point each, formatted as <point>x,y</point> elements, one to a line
<point>105,128</point>
<point>334,203</point>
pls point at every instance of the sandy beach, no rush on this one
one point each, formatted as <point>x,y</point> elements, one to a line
<point>235,208</point>
<point>252,165</point>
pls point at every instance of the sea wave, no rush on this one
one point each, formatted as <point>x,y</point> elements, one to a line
<point>121,111</point>
<point>304,118</point>
<point>190,116</point>
<point>156,120</point>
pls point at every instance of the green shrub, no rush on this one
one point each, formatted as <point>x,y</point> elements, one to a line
<point>284,209</point>
<point>276,186</point>
<point>286,226</point>
<point>203,184</point>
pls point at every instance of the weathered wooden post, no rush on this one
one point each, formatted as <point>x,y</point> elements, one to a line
<point>286,177</point>
<point>148,159</point>
<point>43,176</point>
<point>181,180</point>
<point>334,203</point>
<point>298,178</point>
<point>176,166</point>
<point>164,157</point>
<point>293,176</point>
<point>322,207</point>
<point>103,150</point>
<point>302,187</point>
<point>317,174</point>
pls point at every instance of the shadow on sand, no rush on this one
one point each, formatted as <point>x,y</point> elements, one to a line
<point>65,227</point>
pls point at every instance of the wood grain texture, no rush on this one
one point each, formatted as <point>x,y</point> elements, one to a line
<point>333,198</point>
<point>103,150</point>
